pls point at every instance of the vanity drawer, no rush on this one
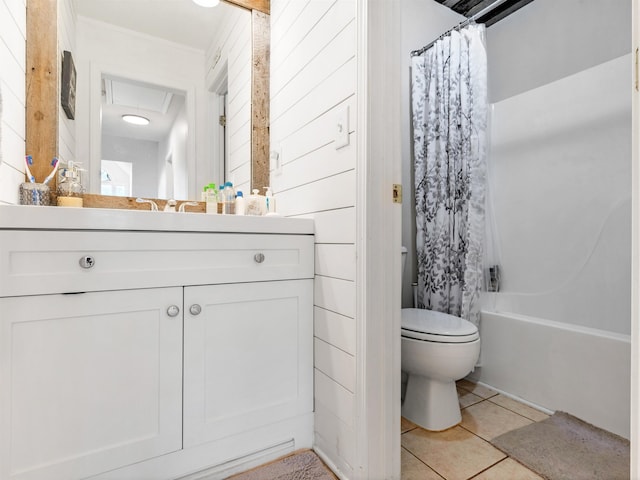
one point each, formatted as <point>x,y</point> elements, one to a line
<point>36,262</point>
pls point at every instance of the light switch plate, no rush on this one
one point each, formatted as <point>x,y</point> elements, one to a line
<point>341,137</point>
<point>275,158</point>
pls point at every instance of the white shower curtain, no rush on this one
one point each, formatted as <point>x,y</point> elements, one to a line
<point>449,109</point>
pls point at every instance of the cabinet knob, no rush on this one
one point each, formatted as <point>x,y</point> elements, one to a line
<point>87,261</point>
<point>259,257</point>
<point>173,311</point>
<point>195,309</point>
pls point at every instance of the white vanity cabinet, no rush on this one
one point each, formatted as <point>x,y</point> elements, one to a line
<point>153,354</point>
<point>246,357</point>
<point>89,382</point>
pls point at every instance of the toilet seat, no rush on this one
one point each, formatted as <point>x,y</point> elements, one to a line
<point>432,326</point>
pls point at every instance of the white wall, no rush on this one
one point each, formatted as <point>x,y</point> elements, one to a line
<point>561,161</point>
<point>313,77</point>
<point>142,154</point>
<point>549,39</point>
<point>422,22</point>
<point>105,48</point>
<point>559,180</point>
<point>229,57</point>
<point>12,92</point>
<point>66,41</point>
<point>176,147</point>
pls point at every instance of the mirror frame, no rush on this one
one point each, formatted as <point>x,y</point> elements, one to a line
<point>43,68</point>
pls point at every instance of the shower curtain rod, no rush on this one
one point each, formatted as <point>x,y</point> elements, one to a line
<point>462,24</point>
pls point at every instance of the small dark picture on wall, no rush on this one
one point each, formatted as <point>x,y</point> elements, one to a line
<point>68,90</point>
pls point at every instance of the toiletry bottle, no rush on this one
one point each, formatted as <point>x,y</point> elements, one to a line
<point>69,188</point>
<point>220,194</point>
<point>211,199</point>
<point>229,199</point>
<point>270,202</point>
<point>240,205</point>
<point>203,194</point>
<point>255,203</point>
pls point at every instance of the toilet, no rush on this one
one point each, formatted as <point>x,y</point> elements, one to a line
<point>437,349</point>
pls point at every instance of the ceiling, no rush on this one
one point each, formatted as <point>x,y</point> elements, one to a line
<point>179,21</point>
<point>469,8</point>
<point>123,96</point>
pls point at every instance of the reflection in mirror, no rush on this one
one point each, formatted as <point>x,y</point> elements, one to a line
<point>147,159</point>
<point>240,44</point>
<point>182,59</point>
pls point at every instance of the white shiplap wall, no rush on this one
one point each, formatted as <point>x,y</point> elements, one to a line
<point>313,78</point>
<point>66,41</point>
<point>230,55</point>
<point>12,89</point>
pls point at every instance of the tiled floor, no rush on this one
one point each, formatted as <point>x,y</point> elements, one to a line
<point>464,452</point>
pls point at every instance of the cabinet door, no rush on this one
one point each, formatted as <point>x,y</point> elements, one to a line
<point>88,382</point>
<point>248,357</point>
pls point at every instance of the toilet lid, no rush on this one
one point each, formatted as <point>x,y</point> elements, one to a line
<point>422,324</point>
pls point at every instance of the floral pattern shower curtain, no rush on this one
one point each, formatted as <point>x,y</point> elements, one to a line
<point>449,103</point>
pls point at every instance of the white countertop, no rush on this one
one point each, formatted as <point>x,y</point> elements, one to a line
<point>68,218</point>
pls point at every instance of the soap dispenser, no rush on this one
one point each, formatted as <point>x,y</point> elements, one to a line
<point>255,203</point>
<point>69,189</point>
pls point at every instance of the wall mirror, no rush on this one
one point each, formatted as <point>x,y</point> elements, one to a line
<point>186,70</point>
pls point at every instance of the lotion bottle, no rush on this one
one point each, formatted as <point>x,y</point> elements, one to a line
<point>212,199</point>
<point>240,205</point>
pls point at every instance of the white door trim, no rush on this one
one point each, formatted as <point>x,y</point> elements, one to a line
<point>378,241</point>
<point>635,248</point>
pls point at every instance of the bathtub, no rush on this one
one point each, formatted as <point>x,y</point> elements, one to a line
<point>582,371</point>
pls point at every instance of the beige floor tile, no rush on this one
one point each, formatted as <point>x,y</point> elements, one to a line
<point>508,469</point>
<point>466,398</point>
<point>518,407</point>
<point>479,390</point>
<point>414,469</point>
<point>455,454</point>
<point>488,420</point>
<point>406,425</point>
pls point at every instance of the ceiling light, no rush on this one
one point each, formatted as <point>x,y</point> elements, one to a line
<point>207,3</point>
<point>135,119</point>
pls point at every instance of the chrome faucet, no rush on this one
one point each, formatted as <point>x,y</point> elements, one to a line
<point>154,206</point>
<point>189,204</point>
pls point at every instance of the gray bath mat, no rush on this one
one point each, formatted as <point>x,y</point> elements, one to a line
<point>304,465</point>
<point>563,447</point>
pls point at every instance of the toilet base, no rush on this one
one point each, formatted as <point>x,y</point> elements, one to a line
<point>431,404</point>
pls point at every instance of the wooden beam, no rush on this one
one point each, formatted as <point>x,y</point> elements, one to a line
<point>129,203</point>
<point>263,6</point>
<point>260,26</point>
<point>41,79</point>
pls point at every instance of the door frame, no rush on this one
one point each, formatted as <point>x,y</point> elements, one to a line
<point>635,244</point>
<point>378,240</point>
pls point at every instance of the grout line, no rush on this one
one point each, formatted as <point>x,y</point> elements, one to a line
<point>512,411</point>
<point>482,399</point>
<point>488,468</point>
<point>518,413</point>
<point>425,464</point>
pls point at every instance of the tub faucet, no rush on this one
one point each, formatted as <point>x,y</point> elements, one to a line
<point>154,206</point>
